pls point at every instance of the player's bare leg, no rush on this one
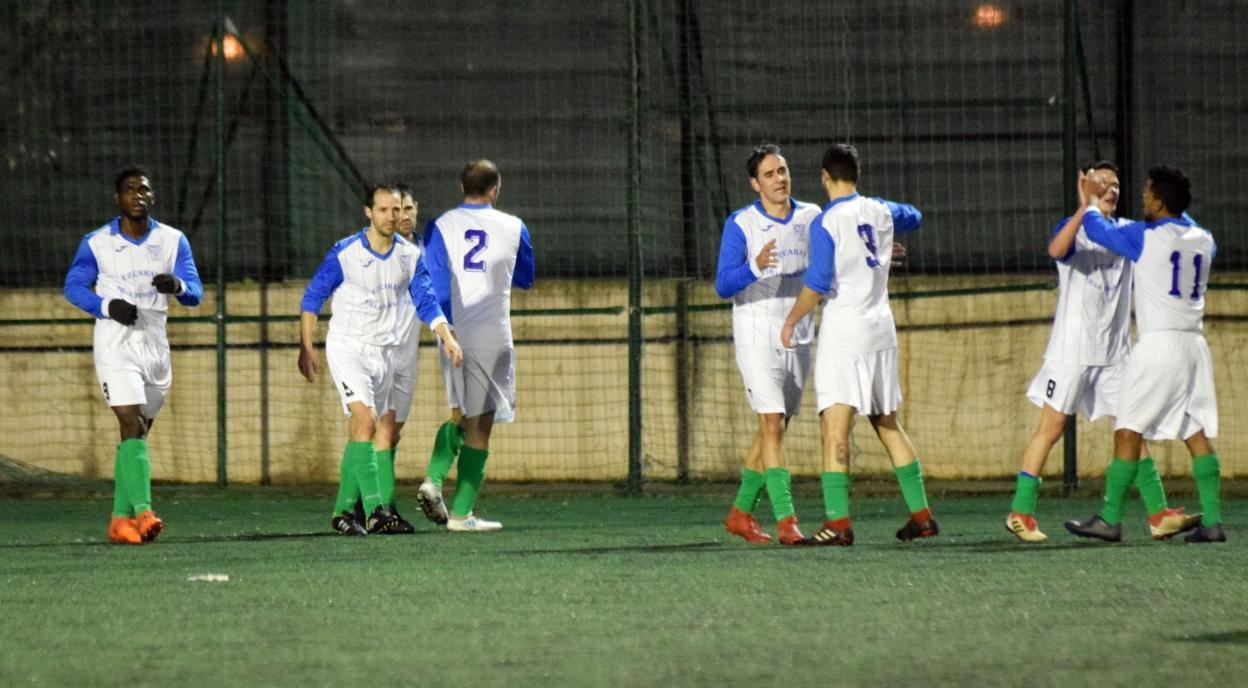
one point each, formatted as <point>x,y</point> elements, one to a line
<point>132,520</point>
<point>1021,521</point>
<point>384,439</point>
<point>835,423</point>
<point>472,458</point>
<point>740,520</point>
<point>358,474</point>
<point>909,472</point>
<point>1207,472</point>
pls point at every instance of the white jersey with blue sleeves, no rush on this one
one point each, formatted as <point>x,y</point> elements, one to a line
<point>372,292</point>
<point>476,253</point>
<point>111,265</point>
<point>1092,326</point>
<point>1172,259</point>
<point>851,249</point>
<point>761,300</point>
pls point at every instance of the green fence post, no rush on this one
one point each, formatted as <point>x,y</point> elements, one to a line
<point>1070,167</point>
<point>635,314</point>
<point>219,116</point>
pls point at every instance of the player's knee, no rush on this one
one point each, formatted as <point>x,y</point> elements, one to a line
<point>132,426</point>
<point>841,454</point>
<point>773,424</point>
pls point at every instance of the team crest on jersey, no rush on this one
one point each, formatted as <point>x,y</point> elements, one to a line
<point>799,229</point>
<point>405,263</point>
<point>153,251</point>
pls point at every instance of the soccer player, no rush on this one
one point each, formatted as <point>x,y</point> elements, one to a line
<point>763,255</point>
<point>476,254</point>
<point>1167,389</point>
<point>856,369</point>
<point>123,274</point>
<point>1084,362</point>
<point>373,276</point>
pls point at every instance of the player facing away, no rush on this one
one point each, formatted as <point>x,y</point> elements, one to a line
<point>123,274</point>
<point>373,276</point>
<point>856,367</point>
<point>476,254</point>
<point>1167,390</point>
<point>763,255</point>
<point>386,444</point>
<point>1084,362</point>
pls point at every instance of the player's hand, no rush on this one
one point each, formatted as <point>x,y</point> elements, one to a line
<point>899,255</point>
<point>767,257</point>
<point>451,347</point>
<point>786,335</point>
<point>1090,190</point>
<point>307,363</point>
<point>167,284</point>
<point>123,311</point>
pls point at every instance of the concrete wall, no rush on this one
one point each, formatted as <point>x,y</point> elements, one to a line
<point>966,361</point>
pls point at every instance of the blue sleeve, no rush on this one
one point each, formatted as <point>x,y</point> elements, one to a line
<point>822,268</point>
<point>1057,228</point>
<point>1127,240</point>
<point>525,269</point>
<point>1213,251</point>
<point>184,269</point>
<point>80,280</point>
<point>436,262</point>
<point>906,218</point>
<point>427,307</point>
<point>733,273</point>
<point>327,278</point>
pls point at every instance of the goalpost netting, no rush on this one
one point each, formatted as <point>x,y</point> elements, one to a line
<point>960,108</point>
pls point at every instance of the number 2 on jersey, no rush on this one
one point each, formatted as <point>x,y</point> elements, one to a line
<point>483,240</point>
<point>1176,259</point>
<point>867,232</point>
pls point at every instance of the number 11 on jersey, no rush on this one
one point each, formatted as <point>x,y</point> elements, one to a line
<point>1176,260</point>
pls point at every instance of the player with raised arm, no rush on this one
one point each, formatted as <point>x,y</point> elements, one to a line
<point>374,277</point>
<point>763,255</point>
<point>1085,360</point>
<point>123,274</point>
<point>856,368</point>
<point>1167,389</point>
<point>476,254</point>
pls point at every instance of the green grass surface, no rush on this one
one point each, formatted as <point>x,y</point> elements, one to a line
<point>584,589</point>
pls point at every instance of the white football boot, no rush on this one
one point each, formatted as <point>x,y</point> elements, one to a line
<point>430,499</point>
<point>471,524</point>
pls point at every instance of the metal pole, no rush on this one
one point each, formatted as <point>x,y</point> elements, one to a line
<point>1123,124</point>
<point>1070,167</point>
<point>634,252</point>
<point>219,117</point>
<point>689,222</point>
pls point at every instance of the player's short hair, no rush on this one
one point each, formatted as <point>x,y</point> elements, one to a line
<point>403,190</point>
<point>1102,165</point>
<point>128,172</point>
<point>478,177</point>
<point>840,161</point>
<point>757,155</point>
<point>372,193</point>
<point>1172,187</point>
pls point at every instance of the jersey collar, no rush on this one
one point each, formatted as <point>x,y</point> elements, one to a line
<point>758,205</point>
<point>475,206</point>
<point>115,228</point>
<point>837,201</point>
<point>368,247</point>
<point>1184,220</point>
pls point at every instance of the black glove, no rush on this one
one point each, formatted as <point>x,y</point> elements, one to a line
<point>123,312</point>
<point>167,284</point>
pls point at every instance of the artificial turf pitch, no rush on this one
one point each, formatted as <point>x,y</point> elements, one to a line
<point>601,590</point>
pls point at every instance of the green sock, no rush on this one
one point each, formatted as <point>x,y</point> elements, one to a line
<point>750,492</point>
<point>137,469</point>
<point>366,474</point>
<point>779,491</point>
<point>348,485</point>
<point>910,478</point>
<point>1148,482</point>
<point>446,447</point>
<point>1026,492</point>
<point>835,494</point>
<point>385,475</point>
<point>121,499</point>
<point>1206,471</point>
<point>1118,478</point>
<point>471,475</point>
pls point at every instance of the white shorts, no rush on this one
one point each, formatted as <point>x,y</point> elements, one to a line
<point>1069,388</point>
<point>870,382</point>
<point>774,378</point>
<point>361,372</point>
<point>486,382</point>
<point>135,373</point>
<point>1167,391</point>
<point>403,387</point>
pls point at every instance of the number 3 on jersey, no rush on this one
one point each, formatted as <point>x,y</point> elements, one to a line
<point>867,232</point>
<point>1176,259</point>
<point>482,240</point>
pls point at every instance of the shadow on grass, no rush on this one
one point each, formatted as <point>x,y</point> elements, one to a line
<point>1227,637</point>
<point>237,537</point>
<point>680,548</point>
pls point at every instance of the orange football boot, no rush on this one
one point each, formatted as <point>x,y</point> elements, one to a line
<point>744,525</point>
<point>123,531</point>
<point>149,525</point>
<point>786,528</point>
